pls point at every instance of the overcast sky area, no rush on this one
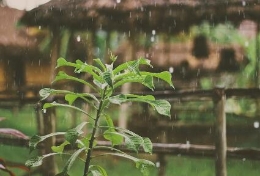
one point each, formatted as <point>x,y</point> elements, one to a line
<point>24,4</point>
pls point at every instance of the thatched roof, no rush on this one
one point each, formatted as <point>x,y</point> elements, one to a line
<point>169,16</point>
<point>14,41</point>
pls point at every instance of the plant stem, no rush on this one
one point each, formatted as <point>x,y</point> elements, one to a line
<point>91,141</point>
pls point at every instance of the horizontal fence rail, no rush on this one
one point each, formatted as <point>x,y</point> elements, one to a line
<point>161,148</point>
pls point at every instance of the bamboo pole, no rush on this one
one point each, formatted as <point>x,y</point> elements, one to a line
<point>126,88</point>
<point>221,141</point>
<point>49,118</point>
<point>49,166</point>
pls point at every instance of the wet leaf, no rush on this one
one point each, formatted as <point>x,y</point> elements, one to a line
<point>166,76</point>
<point>122,98</point>
<point>72,135</point>
<point>146,80</point>
<point>161,106</point>
<point>124,66</point>
<point>45,92</point>
<point>100,63</point>
<point>111,133</point>
<point>37,161</point>
<point>34,162</point>
<point>107,76</point>
<point>36,139</point>
<point>64,76</point>
<point>60,148</point>
<point>147,145</point>
<point>143,165</point>
<point>113,136</point>
<point>70,162</point>
<point>134,66</point>
<point>55,104</point>
<point>96,170</point>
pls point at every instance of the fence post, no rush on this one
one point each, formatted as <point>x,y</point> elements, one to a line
<point>220,131</point>
<point>47,123</point>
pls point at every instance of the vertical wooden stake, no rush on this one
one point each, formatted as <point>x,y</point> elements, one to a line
<point>221,141</point>
<point>49,119</point>
<point>126,88</point>
<point>163,162</point>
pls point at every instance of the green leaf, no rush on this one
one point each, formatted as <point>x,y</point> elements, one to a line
<point>100,63</point>
<point>37,139</point>
<point>133,142</point>
<point>163,107</point>
<point>72,135</point>
<point>70,98</point>
<point>70,161</point>
<point>111,133</point>
<point>109,122</point>
<point>34,162</point>
<point>122,98</point>
<point>62,62</point>
<point>143,165</point>
<point>45,92</point>
<point>37,161</point>
<point>146,80</point>
<point>147,145</point>
<point>55,104</point>
<point>96,170</point>
<point>62,174</point>
<point>83,142</point>
<point>134,66</point>
<point>100,84</point>
<point>125,65</point>
<point>107,76</point>
<point>165,76</point>
<point>64,76</point>
<point>60,148</point>
<point>113,136</point>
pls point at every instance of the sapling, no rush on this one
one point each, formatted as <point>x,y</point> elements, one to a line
<point>105,80</point>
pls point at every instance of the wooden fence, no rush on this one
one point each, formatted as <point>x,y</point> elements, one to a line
<point>220,151</point>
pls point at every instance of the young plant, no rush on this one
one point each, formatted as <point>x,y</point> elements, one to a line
<point>105,79</point>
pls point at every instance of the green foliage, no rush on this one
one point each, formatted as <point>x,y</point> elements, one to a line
<point>105,79</point>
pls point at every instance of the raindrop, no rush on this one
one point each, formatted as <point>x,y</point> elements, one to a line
<point>244,159</point>
<point>150,14</point>
<point>153,32</point>
<point>171,69</point>
<point>40,27</point>
<point>246,44</point>
<point>157,164</point>
<point>44,111</point>
<point>78,38</point>
<point>118,1</point>
<point>188,143</point>
<point>256,124</point>
<point>243,3</point>
<point>152,39</point>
